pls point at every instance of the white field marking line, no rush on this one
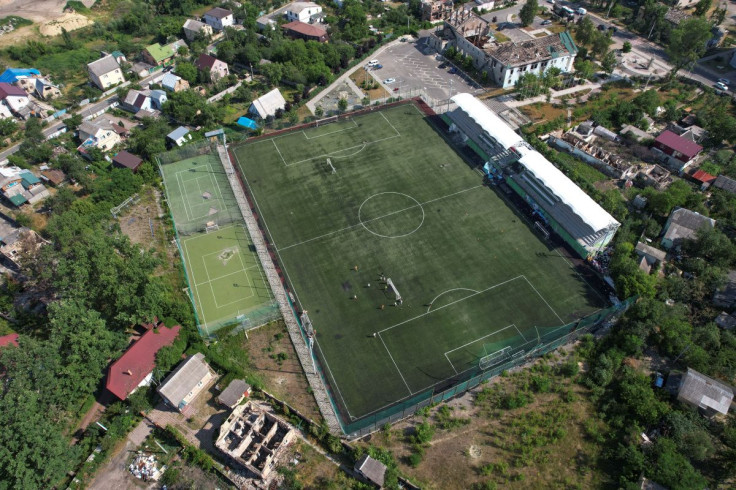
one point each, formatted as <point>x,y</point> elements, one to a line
<point>247,280</point>
<point>265,223</point>
<point>389,123</point>
<point>379,217</point>
<point>221,277</point>
<point>324,358</point>
<point>332,154</point>
<point>396,365</point>
<point>184,197</point>
<point>277,149</point>
<point>580,275</point>
<point>331,132</point>
<point>448,291</point>
<point>194,289</point>
<point>522,335</point>
<point>452,303</point>
<point>451,364</point>
<point>481,338</point>
<point>545,301</point>
<point>183,202</point>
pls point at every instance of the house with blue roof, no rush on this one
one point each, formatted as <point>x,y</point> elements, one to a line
<point>174,83</point>
<point>12,75</point>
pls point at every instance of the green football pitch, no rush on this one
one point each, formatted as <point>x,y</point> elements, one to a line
<point>224,274</point>
<point>383,195</point>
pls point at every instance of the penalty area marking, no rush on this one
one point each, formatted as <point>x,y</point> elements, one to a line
<point>476,340</point>
<point>396,365</point>
<point>449,291</point>
<point>418,204</point>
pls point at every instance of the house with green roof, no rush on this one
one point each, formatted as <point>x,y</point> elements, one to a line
<point>158,55</point>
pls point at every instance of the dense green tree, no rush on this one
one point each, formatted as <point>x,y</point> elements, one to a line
<point>609,62</point>
<point>648,101</point>
<point>703,7</point>
<point>187,71</point>
<point>688,42</point>
<point>528,12</point>
<point>672,469</point>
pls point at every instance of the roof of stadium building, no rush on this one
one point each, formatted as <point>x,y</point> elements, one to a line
<point>565,189</point>
<point>487,120</point>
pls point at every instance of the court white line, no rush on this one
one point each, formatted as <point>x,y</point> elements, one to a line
<point>522,335</point>
<point>452,303</point>
<point>389,123</point>
<point>215,279</point>
<point>193,289</point>
<point>277,149</point>
<point>331,132</point>
<point>481,338</point>
<point>333,154</point>
<point>451,364</point>
<point>397,367</point>
<point>379,217</point>
<point>448,291</point>
<point>545,301</point>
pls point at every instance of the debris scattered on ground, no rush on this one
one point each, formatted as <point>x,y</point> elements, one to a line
<point>144,467</point>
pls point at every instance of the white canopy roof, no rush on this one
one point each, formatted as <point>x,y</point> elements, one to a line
<point>487,120</point>
<point>565,189</point>
<point>560,185</point>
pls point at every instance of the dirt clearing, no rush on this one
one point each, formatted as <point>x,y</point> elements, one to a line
<point>67,21</point>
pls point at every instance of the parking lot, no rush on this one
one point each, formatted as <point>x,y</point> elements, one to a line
<point>414,66</point>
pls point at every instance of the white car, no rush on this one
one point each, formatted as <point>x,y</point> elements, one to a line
<point>389,81</point>
<point>724,81</point>
<point>720,86</point>
<point>581,11</point>
<point>372,62</point>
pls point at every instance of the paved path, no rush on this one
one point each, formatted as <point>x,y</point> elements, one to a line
<point>314,102</point>
<point>555,95</point>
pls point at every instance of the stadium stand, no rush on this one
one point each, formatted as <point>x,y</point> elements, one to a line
<point>563,206</point>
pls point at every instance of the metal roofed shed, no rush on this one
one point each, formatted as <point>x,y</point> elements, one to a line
<point>372,470</point>
<point>234,393</point>
<point>178,136</point>
<point>267,105</point>
<point>183,385</point>
<point>684,224</point>
<point>705,393</point>
<point>725,183</point>
<point>247,123</point>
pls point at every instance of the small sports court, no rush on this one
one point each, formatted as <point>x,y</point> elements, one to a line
<point>226,281</point>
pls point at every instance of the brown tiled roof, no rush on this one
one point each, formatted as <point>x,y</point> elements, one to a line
<point>305,29</point>
<point>127,160</point>
<point>55,176</point>
<point>205,62</point>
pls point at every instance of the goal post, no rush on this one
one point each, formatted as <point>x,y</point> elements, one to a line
<point>392,287</point>
<point>211,226</point>
<point>332,167</point>
<point>494,358</point>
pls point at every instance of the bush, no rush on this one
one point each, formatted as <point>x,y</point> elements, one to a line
<point>424,433</point>
<point>415,459</point>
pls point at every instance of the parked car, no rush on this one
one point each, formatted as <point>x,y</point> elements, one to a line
<point>724,81</point>
<point>453,70</point>
<point>601,27</point>
<point>612,29</point>
<point>551,1</point>
<point>377,67</point>
<point>442,66</point>
<point>581,11</point>
<point>721,86</point>
<point>372,62</point>
<point>389,81</point>
<point>546,22</point>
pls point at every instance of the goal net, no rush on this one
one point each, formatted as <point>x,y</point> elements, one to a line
<point>211,226</point>
<point>494,358</point>
<point>392,287</point>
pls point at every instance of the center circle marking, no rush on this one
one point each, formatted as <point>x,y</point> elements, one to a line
<point>418,204</point>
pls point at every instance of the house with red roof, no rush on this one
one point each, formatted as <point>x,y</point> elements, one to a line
<point>11,339</point>
<point>135,367</point>
<point>703,178</point>
<point>209,64</point>
<point>12,97</point>
<point>677,152</point>
<point>302,30</point>
<point>127,160</point>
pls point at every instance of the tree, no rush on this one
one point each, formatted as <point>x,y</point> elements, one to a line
<point>187,71</point>
<point>672,469</point>
<point>342,104</point>
<point>585,31</point>
<point>8,126</point>
<point>273,72</point>
<point>648,101</point>
<point>528,12</point>
<point>626,47</point>
<point>318,111</point>
<point>585,69</point>
<point>687,42</point>
<point>718,16</point>
<point>609,62</point>
<point>703,7</point>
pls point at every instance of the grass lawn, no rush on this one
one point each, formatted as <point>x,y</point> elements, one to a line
<point>382,194</point>
<point>223,270</point>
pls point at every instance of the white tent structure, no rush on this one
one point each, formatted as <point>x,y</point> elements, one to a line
<point>267,104</point>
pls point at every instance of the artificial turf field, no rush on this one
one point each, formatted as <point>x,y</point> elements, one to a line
<point>395,199</point>
<point>224,273</point>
